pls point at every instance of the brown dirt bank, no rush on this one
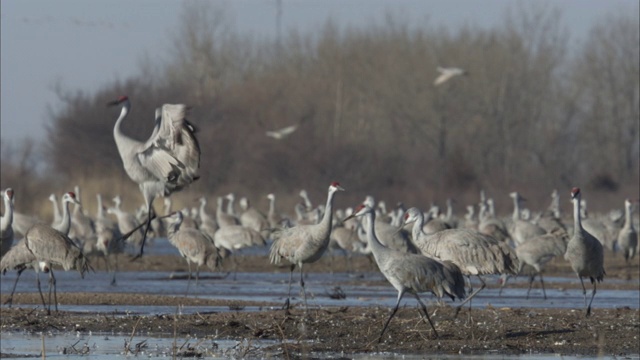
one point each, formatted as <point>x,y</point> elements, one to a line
<point>503,331</point>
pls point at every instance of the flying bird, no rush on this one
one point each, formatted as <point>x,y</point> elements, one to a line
<point>447,73</point>
<point>282,133</point>
<point>167,162</point>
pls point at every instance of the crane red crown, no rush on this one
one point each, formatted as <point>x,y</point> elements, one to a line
<point>575,191</point>
<point>72,194</point>
<point>335,184</point>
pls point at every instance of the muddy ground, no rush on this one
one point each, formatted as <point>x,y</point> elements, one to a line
<point>499,331</point>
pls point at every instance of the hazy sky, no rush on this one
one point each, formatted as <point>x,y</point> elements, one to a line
<point>84,45</point>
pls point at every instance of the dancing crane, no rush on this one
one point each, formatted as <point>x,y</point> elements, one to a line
<point>167,162</point>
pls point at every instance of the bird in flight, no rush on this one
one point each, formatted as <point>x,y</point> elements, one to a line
<point>448,73</point>
<point>282,133</point>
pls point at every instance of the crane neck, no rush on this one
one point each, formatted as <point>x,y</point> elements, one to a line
<point>374,244</point>
<point>7,218</point>
<point>577,223</point>
<point>123,142</point>
<point>272,206</point>
<point>327,217</point>
<point>417,226</point>
<point>100,212</point>
<point>627,215</point>
<point>516,208</point>
<point>65,223</point>
<point>56,210</point>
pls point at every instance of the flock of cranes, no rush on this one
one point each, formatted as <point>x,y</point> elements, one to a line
<point>416,251</point>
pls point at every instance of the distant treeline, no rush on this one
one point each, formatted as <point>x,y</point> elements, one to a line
<point>536,112</point>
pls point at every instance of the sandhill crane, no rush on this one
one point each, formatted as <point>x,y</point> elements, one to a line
<point>54,247</point>
<point>304,244</point>
<point>193,245</point>
<point>57,216</point>
<point>584,252</point>
<point>108,239</point>
<point>208,224</point>
<point>82,225</point>
<point>412,273</point>
<point>275,219</point>
<point>305,198</point>
<point>538,251</point>
<point>282,133</point>
<point>522,230</point>
<point>473,252</point>
<point>236,237</point>
<point>127,222</point>
<point>251,218</point>
<point>222,217</point>
<point>627,237</point>
<point>167,162</point>
<point>446,73</point>
<point>231,208</point>
<point>6,230</point>
<point>20,260</point>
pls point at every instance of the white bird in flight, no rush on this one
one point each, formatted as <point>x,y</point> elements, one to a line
<point>448,73</point>
<point>282,133</point>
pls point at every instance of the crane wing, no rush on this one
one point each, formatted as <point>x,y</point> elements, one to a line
<point>172,153</point>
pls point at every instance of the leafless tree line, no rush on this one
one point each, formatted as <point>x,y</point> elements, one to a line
<point>535,113</point>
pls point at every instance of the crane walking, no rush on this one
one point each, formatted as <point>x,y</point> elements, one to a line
<point>412,273</point>
<point>473,252</point>
<point>167,162</point>
<point>584,252</point>
<point>304,244</point>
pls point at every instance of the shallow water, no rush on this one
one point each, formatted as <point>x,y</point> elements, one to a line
<point>272,287</point>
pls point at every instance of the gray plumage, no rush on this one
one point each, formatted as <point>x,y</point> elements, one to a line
<point>537,252</point>
<point>109,240</point>
<point>627,237</point>
<point>447,73</point>
<point>6,228</point>
<point>522,230</point>
<point>251,218</point>
<point>304,244</point>
<point>208,225</point>
<point>193,245</point>
<point>127,222</point>
<point>412,273</point>
<point>475,253</point>
<point>223,218</point>
<point>584,252</point>
<point>167,162</point>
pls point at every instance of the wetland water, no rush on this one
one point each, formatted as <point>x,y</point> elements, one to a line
<point>507,326</point>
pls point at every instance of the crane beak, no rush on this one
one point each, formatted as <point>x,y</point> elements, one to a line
<point>348,218</point>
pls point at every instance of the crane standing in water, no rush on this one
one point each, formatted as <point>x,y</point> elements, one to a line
<point>304,244</point>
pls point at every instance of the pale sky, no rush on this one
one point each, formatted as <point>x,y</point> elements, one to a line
<point>85,45</point>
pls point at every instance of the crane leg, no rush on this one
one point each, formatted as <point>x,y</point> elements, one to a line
<point>532,277</point>
<point>593,294</point>
<point>115,269</point>
<point>544,293</point>
<point>52,283</point>
<point>304,293</point>
<point>468,299</point>
<point>286,303</point>
<point>424,310</point>
<point>44,305</point>
<point>503,278</point>
<point>188,278</point>
<point>393,312</point>
<point>151,214</point>
<point>13,290</point>
<point>584,290</point>
<point>197,274</point>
